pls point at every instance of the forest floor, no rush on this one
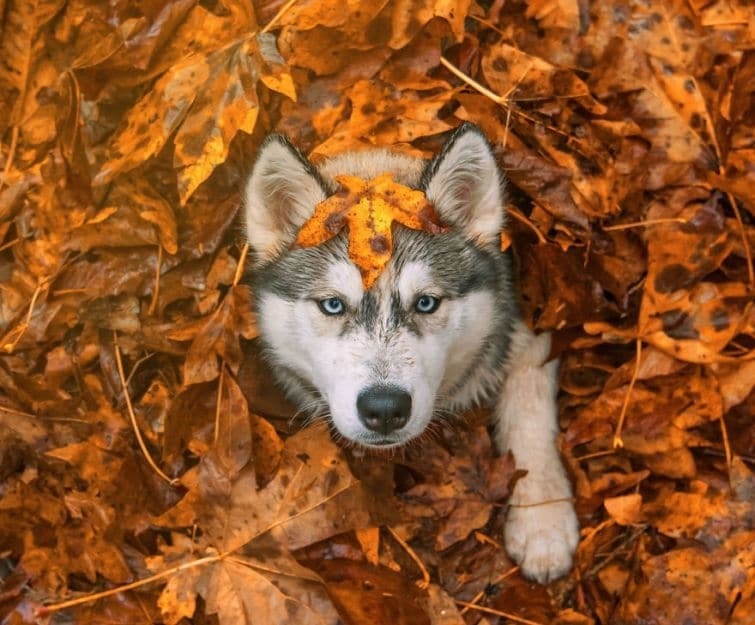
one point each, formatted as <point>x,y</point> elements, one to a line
<point>149,470</point>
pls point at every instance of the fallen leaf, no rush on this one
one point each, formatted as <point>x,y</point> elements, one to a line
<point>219,337</point>
<point>624,510</point>
<point>368,210</point>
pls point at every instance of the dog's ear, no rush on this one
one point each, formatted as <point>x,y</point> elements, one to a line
<point>465,185</point>
<point>279,197</point>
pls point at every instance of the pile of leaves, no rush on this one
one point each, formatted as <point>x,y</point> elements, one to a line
<point>149,471</point>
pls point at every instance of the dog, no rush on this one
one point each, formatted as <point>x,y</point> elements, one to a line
<point>439,331</point>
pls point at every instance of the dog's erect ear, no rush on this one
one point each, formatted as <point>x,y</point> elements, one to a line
<point>280,196</point>
<point>465,186</point>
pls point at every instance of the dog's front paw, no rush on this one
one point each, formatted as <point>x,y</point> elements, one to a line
<point>542,539</point>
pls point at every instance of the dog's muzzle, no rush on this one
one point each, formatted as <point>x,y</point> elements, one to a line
<point>384,409</point>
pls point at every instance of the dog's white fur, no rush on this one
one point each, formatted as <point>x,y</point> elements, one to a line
<point>465,188</point>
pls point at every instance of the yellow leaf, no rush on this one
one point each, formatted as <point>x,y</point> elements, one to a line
<point>369,209</point>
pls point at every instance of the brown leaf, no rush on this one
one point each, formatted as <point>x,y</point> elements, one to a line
<point>510,72</point>
<point>628,146</point>
<point>364,593</point>
<point>312,497</point>
<point>219,337</point>
<point>457,497</point>
<point>705,584</point>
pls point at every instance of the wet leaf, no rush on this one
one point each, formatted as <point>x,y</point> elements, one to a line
<point>368,210</point>
<point>222,81</point>
<point>127,129</point>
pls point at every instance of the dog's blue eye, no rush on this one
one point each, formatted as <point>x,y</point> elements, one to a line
<point>332,306</point>
<point>427,304</point>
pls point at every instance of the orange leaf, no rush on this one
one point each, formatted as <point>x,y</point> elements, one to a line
<point>369,209</point>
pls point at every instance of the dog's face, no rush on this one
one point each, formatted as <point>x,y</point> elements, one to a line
<point>378,362</point>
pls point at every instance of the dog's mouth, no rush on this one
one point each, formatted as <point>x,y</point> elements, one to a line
<point>381,442</point>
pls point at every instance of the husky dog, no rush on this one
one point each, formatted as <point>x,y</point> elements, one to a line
<point>438,332</point>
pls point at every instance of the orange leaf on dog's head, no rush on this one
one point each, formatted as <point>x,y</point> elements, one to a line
<point>369,209</point>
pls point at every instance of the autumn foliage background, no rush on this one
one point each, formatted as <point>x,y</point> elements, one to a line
<point>627,132</point>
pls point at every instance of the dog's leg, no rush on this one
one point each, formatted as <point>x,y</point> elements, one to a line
<point>541,528</point>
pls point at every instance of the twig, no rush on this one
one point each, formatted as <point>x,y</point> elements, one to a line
<point>503,101</point>
<point>525,220</point>
<point>609,557</point>
<point>136,366</point>
<point>18,413</point>
<point>649,222</point>
<point>221,378</point>
<point>617,440</point>
<point>511,617</point>
<point>720,454</point>
<point>10,344</point>
<point>132,416</point>
<point>472,82</point>
<point>56,607</point>
<point>546,502</point>
<point>507,95</point>
<point>481,594</point>
<point>425,582</point>
<point>727,447</point>
<point>9,244</point>
<point>595,454</point>
<point>156,290</point>
<point>487,24</point>
<point>242,263</point>
<point>506,127</point>
<point>745,241</point>
<point>11,156</point>
<point>60,292</point>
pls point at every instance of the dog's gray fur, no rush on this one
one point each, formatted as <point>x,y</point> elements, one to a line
<point>474,349</point>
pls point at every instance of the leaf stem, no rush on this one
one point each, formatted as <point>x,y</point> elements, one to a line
<point>56,607</point>
<point>132,415</point>
<point>425,575</point>
<point>277,17</point>
<point>618,442</point>
<point>241,264</point>
<point>511,617</point>
<point>476,599</point>
<point>9,344</point>
<point>642,224</point>
<point>156,290</point>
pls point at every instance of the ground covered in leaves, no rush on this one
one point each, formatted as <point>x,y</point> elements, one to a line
<point>141,440</point>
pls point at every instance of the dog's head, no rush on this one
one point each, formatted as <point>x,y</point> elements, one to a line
<point>380,362</point>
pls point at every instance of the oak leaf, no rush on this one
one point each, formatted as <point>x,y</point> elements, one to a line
<point>368,209</point>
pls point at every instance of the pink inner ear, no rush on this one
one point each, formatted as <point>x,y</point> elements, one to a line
<point>279,196</point>
<point>466,185</point>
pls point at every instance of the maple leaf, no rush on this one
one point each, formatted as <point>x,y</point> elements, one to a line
<point>369,209</point>
<point>312,497</point>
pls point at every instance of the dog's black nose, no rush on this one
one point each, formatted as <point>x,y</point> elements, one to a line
<point>384,409</point>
